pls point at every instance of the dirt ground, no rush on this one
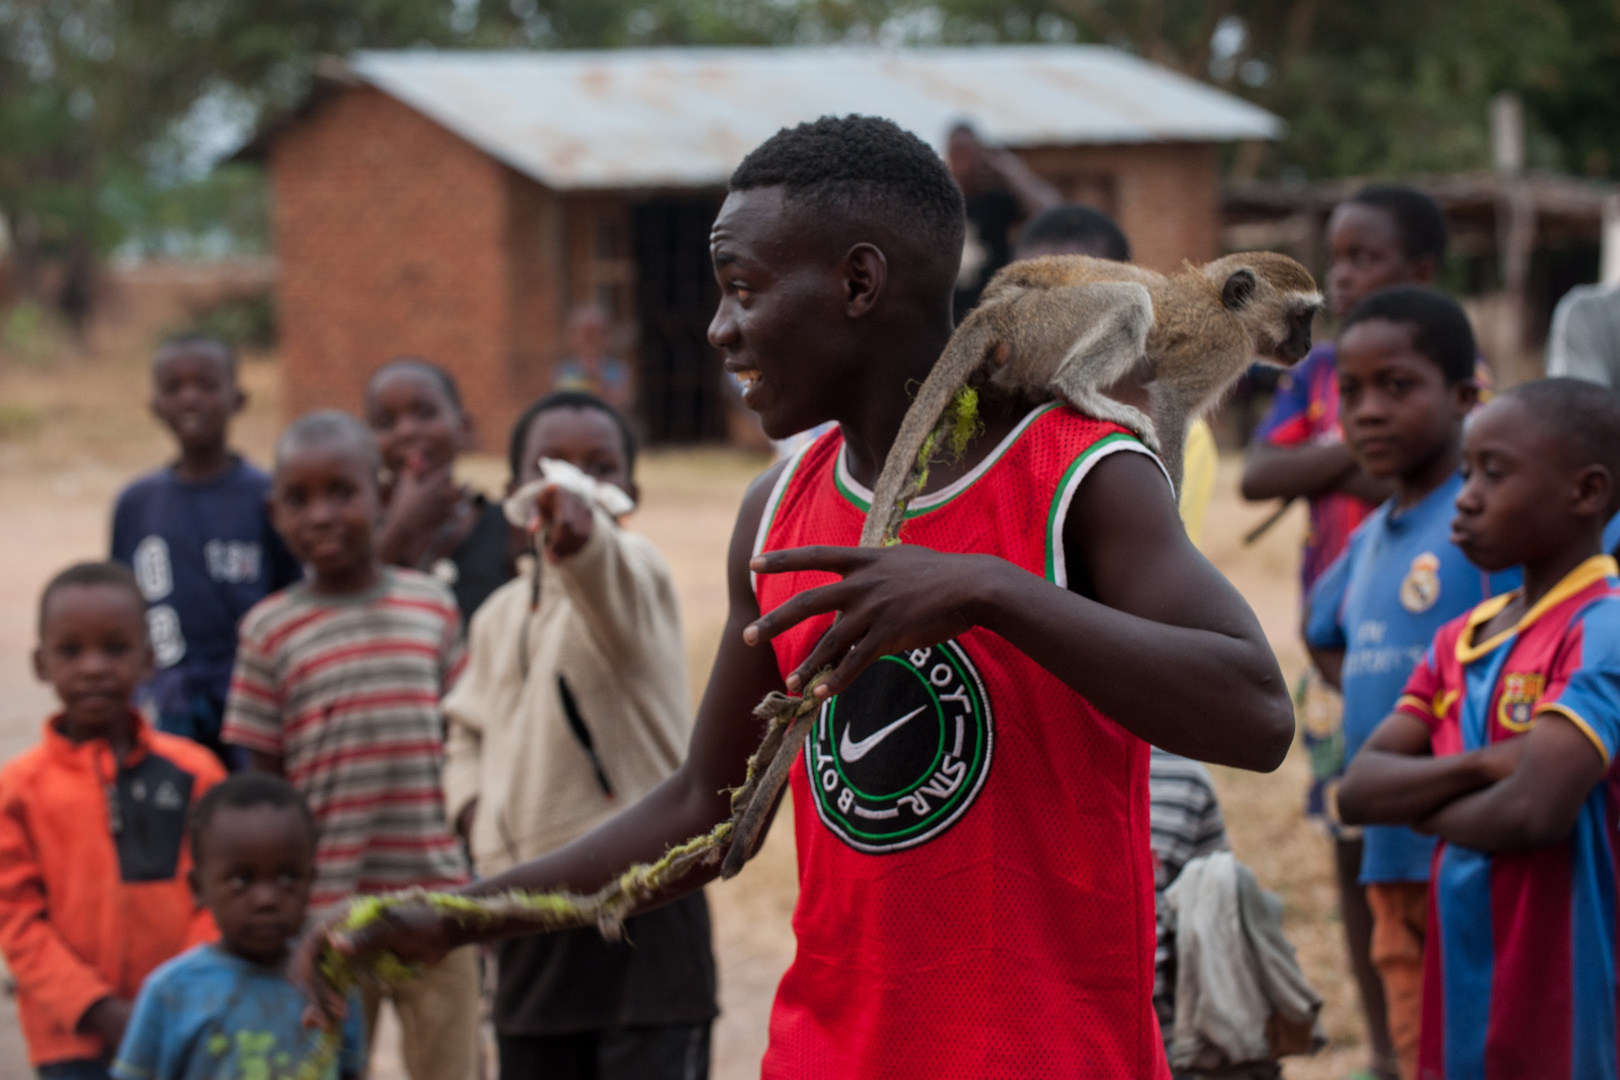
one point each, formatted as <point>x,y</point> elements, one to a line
<point>73,430</point>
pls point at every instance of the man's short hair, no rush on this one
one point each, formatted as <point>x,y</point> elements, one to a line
<point>246,791</point>
<point>324,428</point>
<point>1440,329</point>
<point>569,399</point>
<point>178,342</point>
<point>1580,418</point>
<point>88,575</point>
<point>861,165</point>
<point>436,373</point>
<point>1074,226</point>
<point>1418,219</point>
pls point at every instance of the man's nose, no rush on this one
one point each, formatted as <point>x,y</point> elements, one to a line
<point>722,328</point>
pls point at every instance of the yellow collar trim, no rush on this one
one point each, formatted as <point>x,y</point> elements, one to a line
<point>1592,570</point>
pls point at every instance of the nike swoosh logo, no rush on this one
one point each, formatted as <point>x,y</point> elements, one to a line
<point>854,751</point>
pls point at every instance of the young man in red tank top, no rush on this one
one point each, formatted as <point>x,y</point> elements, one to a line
<point>971,809</point>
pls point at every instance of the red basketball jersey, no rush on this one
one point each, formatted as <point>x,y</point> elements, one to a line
<point>976,888</point>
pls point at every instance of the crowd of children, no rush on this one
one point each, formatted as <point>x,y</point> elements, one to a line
<point>309,624</point>
<point>415,693</point>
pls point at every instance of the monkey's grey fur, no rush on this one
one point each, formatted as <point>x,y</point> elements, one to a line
<point>1071,326</point>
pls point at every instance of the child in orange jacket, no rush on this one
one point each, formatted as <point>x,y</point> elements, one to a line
<point>93,864</point>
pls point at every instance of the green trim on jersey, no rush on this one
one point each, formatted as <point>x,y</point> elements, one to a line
<point>1076,472</point>
<point>924,504</point>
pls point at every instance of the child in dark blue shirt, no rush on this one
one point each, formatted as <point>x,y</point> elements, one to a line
<point>227,1009</point>
<point>197,534</point>
<point>1406,384</point>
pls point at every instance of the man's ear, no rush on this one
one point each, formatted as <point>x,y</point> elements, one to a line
<point>195,882</point>
<point>633,489</point>
<point>239,402</point>
<point>1424,270</point>
<point>866,272</point>
<point>39,663</point>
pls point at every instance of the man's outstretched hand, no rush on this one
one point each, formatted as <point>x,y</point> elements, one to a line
<point>892,599</point>
<point>415,933</point>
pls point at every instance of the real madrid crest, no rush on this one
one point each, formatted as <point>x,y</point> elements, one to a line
<point>1515,708</point>
<point>1421,588</point>
<point>897,759</point>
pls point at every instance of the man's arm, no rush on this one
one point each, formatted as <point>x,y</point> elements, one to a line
<point>1537,804</point>
<point>1167,648</point>
<point>1395,780</point>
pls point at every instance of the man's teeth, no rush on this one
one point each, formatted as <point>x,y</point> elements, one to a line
<point>748,377</point>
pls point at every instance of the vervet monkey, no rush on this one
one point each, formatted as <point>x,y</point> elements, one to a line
<point>1072,326</point>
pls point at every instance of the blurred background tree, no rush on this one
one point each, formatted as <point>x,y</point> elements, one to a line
<point>113,113</point>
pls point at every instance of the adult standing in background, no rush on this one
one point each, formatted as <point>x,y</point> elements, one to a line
<point>1585,338</point>
<point>588,367</point>
<point>1001,192</point>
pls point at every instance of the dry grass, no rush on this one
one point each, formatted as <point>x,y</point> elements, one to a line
<point>75,430</point>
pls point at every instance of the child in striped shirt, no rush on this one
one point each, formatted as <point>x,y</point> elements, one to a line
<point>337,687</point>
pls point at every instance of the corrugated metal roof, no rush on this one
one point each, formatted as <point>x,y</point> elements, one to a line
<point>638,118</point>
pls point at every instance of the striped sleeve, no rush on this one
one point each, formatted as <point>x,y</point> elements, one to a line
<point>1584,684</point>
<point>253,712</point>
<point>1425,695</point>
<point>453,655</point>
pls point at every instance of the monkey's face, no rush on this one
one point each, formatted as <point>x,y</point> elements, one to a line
<point>1296,342</point>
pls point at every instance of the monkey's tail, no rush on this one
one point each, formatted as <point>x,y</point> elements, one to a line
<point>924,427</point>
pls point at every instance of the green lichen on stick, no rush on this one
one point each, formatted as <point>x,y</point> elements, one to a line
<point>956,428</point>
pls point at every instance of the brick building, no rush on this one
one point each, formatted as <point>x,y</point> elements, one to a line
<point>457,205</point>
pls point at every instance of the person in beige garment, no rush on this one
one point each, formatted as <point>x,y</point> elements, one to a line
<point>574,704</point>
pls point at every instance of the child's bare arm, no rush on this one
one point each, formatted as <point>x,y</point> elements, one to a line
<point>1395,780</point>
<point>1536,805</point>
<point>1330,662</point>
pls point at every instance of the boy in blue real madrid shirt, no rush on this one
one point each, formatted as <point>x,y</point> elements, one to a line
<point>1406,384</point>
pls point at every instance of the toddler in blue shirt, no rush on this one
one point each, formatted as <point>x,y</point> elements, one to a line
<point>1406,385</point>
<point>227,1009</point>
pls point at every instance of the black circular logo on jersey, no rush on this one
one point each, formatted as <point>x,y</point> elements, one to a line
<point>897,758</point>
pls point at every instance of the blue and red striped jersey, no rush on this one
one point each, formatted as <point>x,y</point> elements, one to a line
<point>1520,970</point>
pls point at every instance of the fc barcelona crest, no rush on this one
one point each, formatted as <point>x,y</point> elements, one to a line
<point>1421,588</point>
<point>1516,706</point>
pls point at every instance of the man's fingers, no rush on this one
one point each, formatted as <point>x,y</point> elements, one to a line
<point>805,605</point>
<point>857,658</point>
<point>836,560</point>
<point>833,647</point>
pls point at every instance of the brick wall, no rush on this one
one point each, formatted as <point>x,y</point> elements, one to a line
<point>1164,195</point>
<point>393,238</point>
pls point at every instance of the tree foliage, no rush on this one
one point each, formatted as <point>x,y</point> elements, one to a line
<point>103,103</point>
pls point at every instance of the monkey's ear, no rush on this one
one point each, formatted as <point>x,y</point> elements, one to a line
<point>1238,289</point>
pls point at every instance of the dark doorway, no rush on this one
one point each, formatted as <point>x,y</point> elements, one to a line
<point>676,295</point>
